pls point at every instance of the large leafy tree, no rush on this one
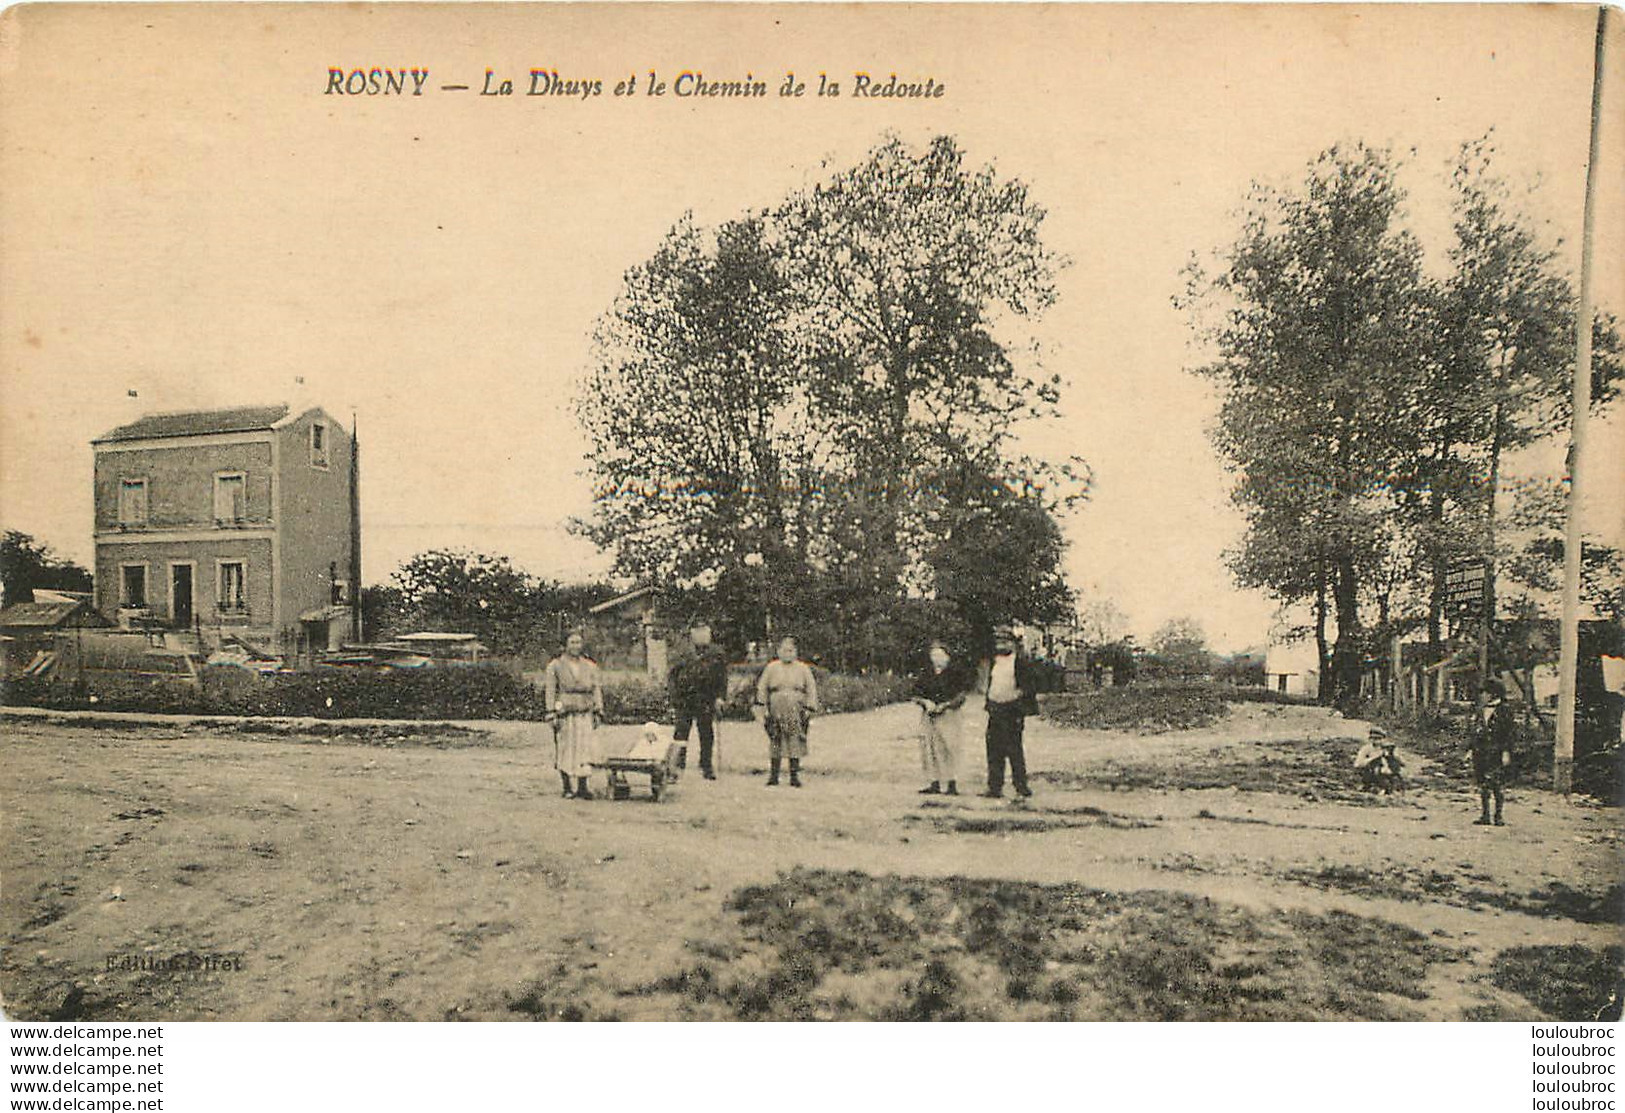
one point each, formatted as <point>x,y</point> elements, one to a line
<point>1313,315</point>
<point>1368,410</point>
<point>1532,553</point>
<point>455,589</point>
<point>906,265</point>
<point>703,453</point>
<point>997,555</point>
<point>1502,348</point>
<point>1101,622</point>
<point>1180,647</point>
<point>802,409</point>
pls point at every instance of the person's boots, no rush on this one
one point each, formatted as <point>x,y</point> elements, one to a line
<point>773,775</point>
<point>953,788</point>
<point>1483,819</point>
<point>795,772</point>
<point>932,789</point>
<point>565,777</point>
<point>582,791</point>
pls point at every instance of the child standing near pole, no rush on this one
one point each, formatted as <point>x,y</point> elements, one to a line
<point>1492,751</point>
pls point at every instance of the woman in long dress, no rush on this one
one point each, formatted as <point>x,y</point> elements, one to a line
<point>788,696</point>
<point>575,702</point>
<point>940,690</point>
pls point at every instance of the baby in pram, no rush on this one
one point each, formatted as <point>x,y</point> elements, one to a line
<point>651,745</point>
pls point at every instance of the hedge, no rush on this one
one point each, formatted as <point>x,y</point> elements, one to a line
<point>1147,709</point>
<point>488,691</point>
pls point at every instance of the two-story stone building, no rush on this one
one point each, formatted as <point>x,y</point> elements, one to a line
<point>240,522</point>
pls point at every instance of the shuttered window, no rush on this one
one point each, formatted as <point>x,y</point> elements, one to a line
<point>132,502</point>
<point>230,497</point>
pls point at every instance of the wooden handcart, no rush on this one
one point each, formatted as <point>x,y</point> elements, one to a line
<point>663,773</point>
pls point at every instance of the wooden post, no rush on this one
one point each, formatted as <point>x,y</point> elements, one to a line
<point>1569,644</point>
<point>1396,674</point>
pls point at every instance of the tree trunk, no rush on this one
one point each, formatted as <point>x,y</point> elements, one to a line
<point>1487,622</point>
<point>1441,569</point>
<point>1346,656</point>
<point>1323,655</point>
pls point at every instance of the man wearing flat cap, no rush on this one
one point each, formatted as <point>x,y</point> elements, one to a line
<point>699,683</point>
<point>1012,695</point>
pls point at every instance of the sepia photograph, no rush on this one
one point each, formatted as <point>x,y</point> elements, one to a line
<point>812,512</point>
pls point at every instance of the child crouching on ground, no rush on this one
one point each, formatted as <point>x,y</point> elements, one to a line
<point>1378,765</point>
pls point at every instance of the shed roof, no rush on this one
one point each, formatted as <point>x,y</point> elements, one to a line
<point>51,615</point>
<point>197,423</point>
<point>621,600</point>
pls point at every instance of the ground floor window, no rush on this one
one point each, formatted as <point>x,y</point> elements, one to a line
<point>133,586</point>
<point>233,594</point>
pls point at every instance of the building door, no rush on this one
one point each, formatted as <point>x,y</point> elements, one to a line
<point>181,595</point>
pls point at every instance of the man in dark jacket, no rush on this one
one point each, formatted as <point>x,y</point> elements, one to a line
<point>1491,742</point>
<point>699,683</point>
<point>1012,695</point>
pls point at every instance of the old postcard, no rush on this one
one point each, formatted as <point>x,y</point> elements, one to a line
<point>811,512</point>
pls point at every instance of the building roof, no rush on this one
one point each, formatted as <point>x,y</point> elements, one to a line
<point>197,423</point>
<point>56,595</point>
<point>50,615</point>
<point>621,600</point>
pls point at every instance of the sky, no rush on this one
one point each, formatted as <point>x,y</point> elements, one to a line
<point>187,213</point>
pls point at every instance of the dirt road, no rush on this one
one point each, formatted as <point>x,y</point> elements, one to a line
<point>1227,872</point>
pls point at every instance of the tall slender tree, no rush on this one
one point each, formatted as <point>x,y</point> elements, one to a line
<point>1313,315</point>
<point>907,265</point>
<point>1502,368</point>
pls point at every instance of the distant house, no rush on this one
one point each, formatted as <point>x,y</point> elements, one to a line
<point>630,632</point>
<point>1293,668</point>
<point>230,524</point>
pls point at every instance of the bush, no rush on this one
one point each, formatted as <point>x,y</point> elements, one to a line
<point>840,693</point>
<point>1147,709</point>
<point>837,692</point>
<point>463,692</point>
<point>109,691</point>
<point>1241,694</point>
<point>632,698</point>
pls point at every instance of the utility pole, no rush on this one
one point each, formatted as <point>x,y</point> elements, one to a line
<point>1569,645</point>
<point>356,631</point>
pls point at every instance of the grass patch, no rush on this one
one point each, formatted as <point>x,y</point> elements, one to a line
<point>1569,982</point>
<point>1139,709</point>
<point>1155,708</point>
<point>819,944</point>
<point>1320,768</point>
<point>1028,821</point>
<point>1553,901</point>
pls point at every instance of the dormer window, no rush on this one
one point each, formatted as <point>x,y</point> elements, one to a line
<point>132,502</point>
<point>230,497</point>
<point>318,444</point>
